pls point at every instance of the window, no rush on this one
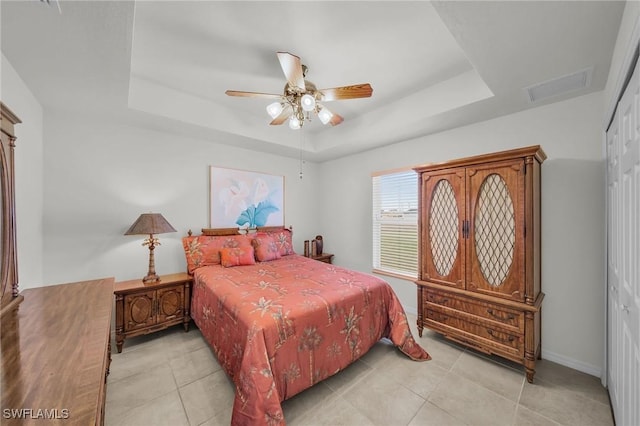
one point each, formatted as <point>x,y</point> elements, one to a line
<point>395,223</point>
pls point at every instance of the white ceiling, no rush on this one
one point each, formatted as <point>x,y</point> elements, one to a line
<point>432,65</point>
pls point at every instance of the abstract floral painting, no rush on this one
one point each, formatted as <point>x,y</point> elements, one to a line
<point>245,199</point>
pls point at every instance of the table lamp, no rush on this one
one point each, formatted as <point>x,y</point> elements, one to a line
<point>150,223</point>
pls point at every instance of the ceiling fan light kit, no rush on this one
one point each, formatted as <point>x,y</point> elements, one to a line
<point>301,98</point>
<point>308,102</point>
<point>324,115</point>
<point>274,109</point>
<point>295,123</point>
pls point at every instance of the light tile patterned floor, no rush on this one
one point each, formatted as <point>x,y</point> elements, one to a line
<point>173,378</point>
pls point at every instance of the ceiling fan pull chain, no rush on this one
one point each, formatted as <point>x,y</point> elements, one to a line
<point>301,152</point>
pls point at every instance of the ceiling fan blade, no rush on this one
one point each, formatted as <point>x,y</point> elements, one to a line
<point>286,113</point>
<point>347,92</point>
<point>292,69</point>
<point>336,119</point>
<point>252,94</point>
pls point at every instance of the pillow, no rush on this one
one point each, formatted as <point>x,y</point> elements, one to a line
<point>236,256</point>
<point>283,241</point>
<point>265,248</point>
<point>204,250</point>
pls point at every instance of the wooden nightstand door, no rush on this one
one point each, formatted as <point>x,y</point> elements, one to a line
<point>170,302</point>
<point>138,310</point>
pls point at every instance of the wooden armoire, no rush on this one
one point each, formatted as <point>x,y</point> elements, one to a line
<point>479,279</point>
<point>9,296</point>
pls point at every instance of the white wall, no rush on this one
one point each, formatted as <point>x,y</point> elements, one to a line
<point>572,213</point>
<point>29,184</point>
<point>100,176</point>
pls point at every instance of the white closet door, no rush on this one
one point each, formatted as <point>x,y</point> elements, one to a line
<point>613,262</point>
<point>624,256</point>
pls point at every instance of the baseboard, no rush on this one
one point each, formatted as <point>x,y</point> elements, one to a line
<point>572,363</point>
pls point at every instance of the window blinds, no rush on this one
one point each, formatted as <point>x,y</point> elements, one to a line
<point>395,223</point>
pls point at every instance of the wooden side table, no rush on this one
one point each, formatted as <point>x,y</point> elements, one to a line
<point>146,308</point>
<point>324,257</point>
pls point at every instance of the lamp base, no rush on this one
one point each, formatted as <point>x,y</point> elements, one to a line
<point>151,279</point>
<point>151,276</point>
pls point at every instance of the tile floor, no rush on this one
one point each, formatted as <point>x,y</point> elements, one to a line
<point>173,378</point>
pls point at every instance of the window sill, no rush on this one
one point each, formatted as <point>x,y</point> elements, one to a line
<point>395,275</point>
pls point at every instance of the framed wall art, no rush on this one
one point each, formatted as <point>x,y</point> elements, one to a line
<point>245,199</point>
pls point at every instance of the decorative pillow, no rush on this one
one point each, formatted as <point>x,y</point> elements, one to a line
<point>283,241</point>
<point>204,250</point>
<point>265,248</point>
<point>236,256</point>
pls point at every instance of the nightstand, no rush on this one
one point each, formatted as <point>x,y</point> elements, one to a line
<point>146,308</point>
<point>324,257</point>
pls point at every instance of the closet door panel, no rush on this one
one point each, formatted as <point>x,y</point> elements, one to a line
<point>629,278</point>
<point>613,263</point>
<point>495,243</point>
<point>443,218</point>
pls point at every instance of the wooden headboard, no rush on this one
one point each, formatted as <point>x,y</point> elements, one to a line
<point>236,231</point>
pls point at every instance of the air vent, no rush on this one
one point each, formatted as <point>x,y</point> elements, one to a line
<point>560,85</point>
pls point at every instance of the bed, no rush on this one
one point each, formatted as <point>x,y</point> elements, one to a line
<point>279,322</point>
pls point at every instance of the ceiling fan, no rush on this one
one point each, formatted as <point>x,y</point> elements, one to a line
<point>301,97</point>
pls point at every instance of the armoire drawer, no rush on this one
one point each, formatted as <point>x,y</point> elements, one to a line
<point>500,314</point>
<point>500,338</point>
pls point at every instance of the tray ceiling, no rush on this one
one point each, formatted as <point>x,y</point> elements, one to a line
<point>432,65</point>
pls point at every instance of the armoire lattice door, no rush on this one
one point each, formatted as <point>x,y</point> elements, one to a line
<point>479,278</point>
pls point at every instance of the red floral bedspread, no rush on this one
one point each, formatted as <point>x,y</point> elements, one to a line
<point>279,327</point>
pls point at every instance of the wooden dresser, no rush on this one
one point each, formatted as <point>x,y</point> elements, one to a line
<point>55,355</point>
<point>480,271</point>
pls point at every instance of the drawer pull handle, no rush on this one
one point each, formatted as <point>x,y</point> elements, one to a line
<point>434,299</point>
<point>438,317</point>
<point>493,314</point>
<point>509,339</point>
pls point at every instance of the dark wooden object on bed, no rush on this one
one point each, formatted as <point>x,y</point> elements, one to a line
<point>143,308</point>
<point>219,231</point>
<point>480,267</point>
<point>9,298</point>
<point>56,353</point>
<point>324,257</point>
<point>237,231</point>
